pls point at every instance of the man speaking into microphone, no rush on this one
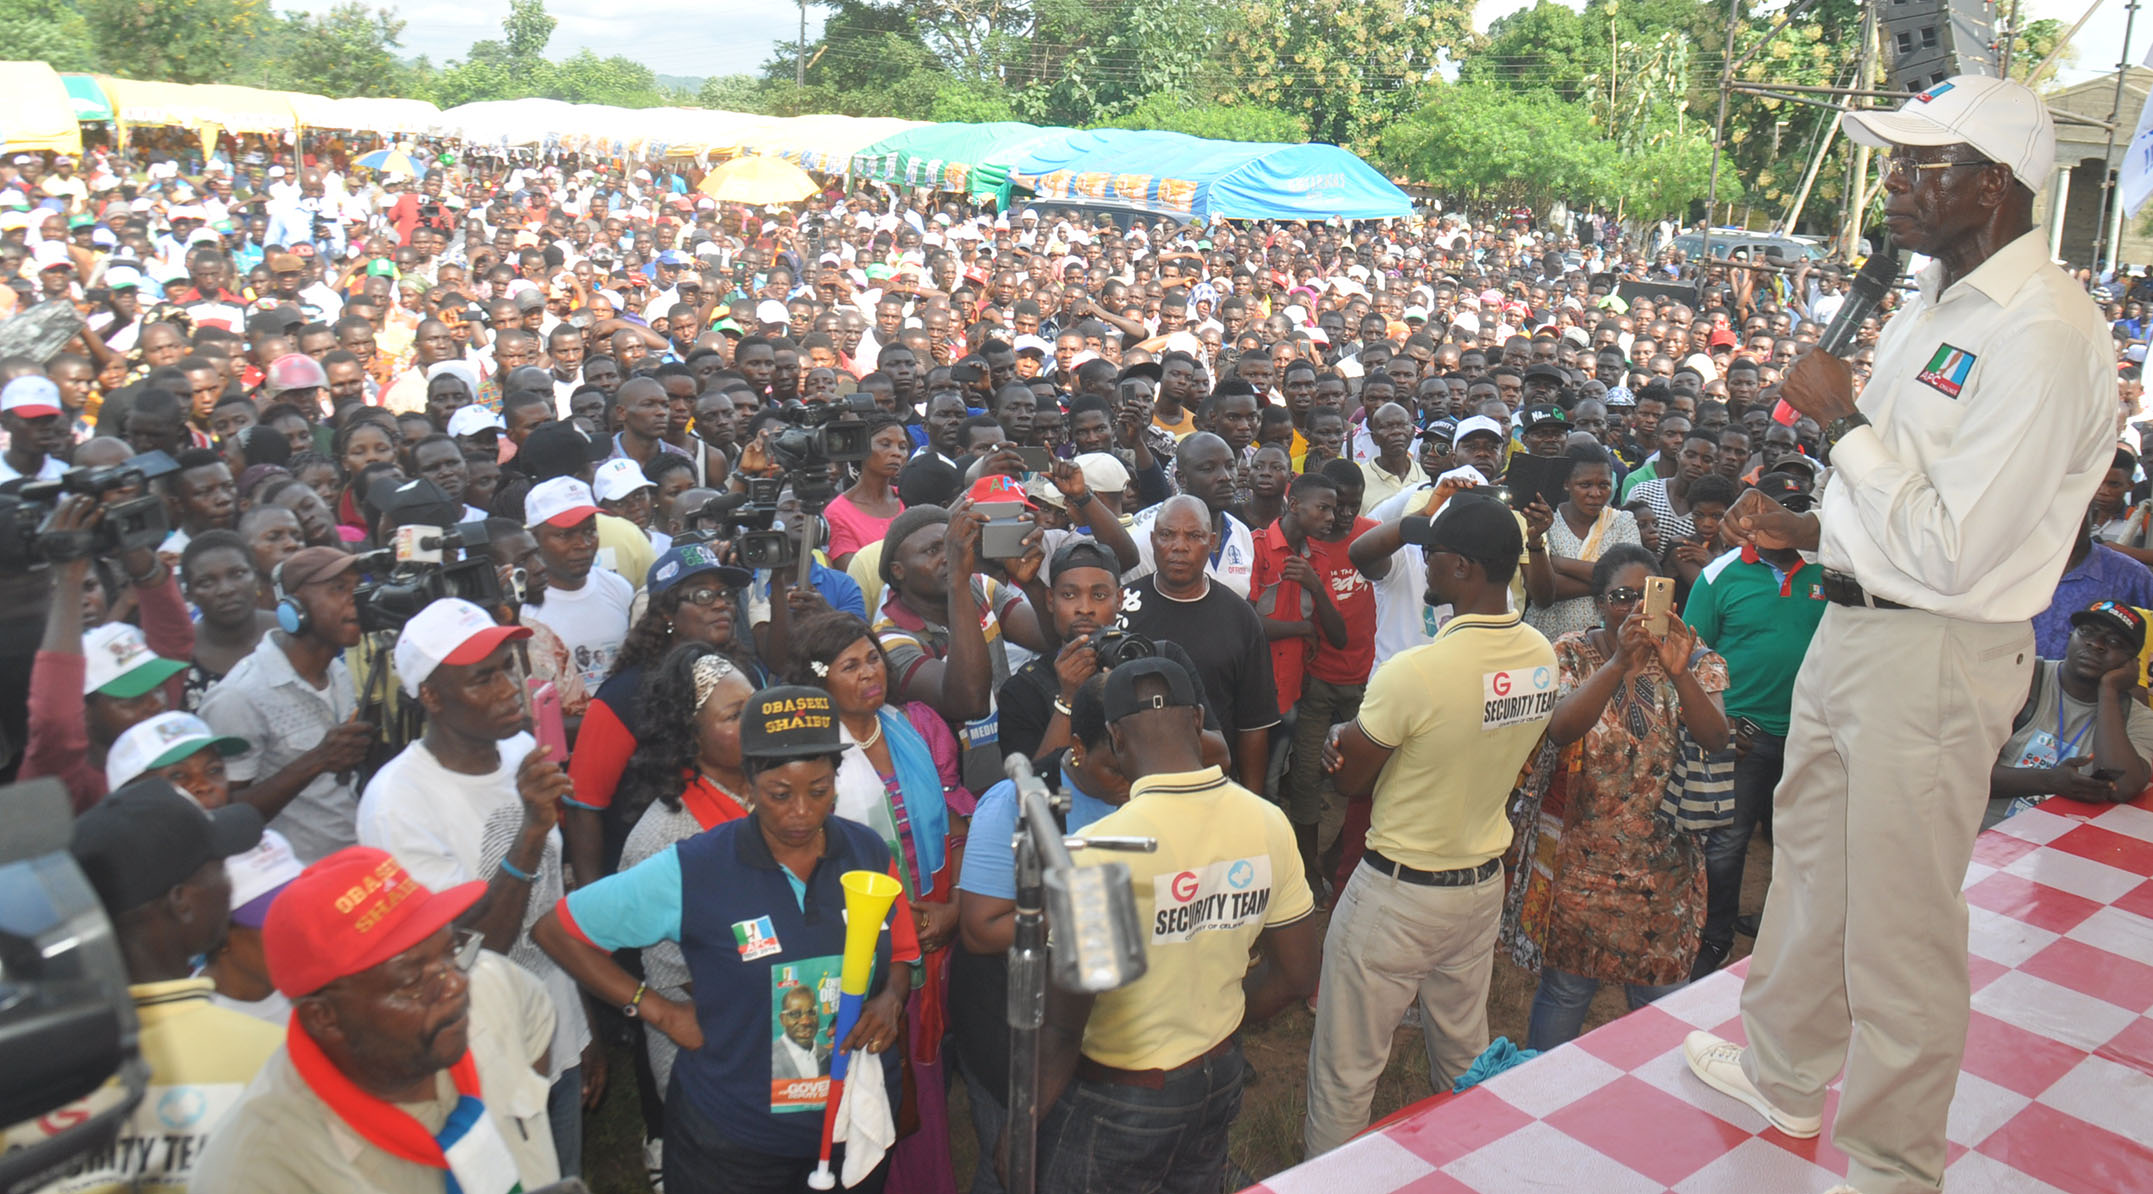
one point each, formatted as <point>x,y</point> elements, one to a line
<point>1962,471</point>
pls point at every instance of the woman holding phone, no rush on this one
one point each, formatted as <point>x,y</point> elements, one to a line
<point>1614,892</point>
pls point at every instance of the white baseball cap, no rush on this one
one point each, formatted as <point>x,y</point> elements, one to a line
<point>1476,425</point>
<point>1103,471</point>
<point>470,420</point>
<point>258,875</point>
<point>1027,344</point>
<point>118,662</point>
<point>30,396</point>
<point>52,254</point>
<point>2004,120</point>
<point>771,311</point>
<point>617,478</point>
<point>451,631</point>
<point>160,742</point>
<point>561,502</point>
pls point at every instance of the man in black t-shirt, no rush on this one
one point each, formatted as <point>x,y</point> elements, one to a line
<point>1219,630</point>
<point>1086,597</point>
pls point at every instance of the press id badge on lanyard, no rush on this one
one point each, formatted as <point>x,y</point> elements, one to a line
<point>479,1160</point>
<point>2046,750</point>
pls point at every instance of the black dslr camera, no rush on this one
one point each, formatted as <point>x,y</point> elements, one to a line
<point>1114,646</point>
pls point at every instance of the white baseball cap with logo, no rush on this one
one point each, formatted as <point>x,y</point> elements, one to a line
<point>160,742</point>
<point>258,875</point>
<point>118,662</point>
<point>450,631</point>
<point>2003,120</point>
<point>617,478</point>
<point>561,502</point>
<point>1479,425</point>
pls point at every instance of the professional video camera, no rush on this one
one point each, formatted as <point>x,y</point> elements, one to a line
<point>413,575</point>
<point>26,512</point>
<point>67,1024</point>
<point>822,434</point>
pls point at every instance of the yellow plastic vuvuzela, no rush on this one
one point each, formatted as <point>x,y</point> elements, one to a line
<point>868,896</point>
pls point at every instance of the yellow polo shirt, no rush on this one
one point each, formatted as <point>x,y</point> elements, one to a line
<point>1226,870</point>
<point>1460,716</point>
<point>201,1058</point>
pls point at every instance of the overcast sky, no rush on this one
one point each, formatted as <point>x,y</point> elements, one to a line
<point>716,37</point>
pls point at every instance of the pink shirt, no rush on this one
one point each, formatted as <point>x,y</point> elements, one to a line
<point>852,528</point>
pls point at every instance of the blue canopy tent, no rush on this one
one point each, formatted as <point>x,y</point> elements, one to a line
<point>1178,175</point>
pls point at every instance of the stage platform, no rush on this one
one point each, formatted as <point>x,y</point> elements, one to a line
<point>2056,1096</point>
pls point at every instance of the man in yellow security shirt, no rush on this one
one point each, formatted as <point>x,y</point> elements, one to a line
<point>1440,737</point>
<point>156,860</point>
<point>1226,879</point>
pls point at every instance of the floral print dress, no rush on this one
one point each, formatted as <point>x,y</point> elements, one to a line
<point>1608,888</point>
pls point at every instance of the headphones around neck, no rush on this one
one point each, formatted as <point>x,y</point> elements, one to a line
<point>292,617</point>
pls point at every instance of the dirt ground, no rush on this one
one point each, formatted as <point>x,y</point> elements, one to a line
<point>1266,1139</point>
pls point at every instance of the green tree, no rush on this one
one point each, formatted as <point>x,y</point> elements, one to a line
<point>50,31</point>
<point>1175,112</point>
<point>1490,143</point>
<point>179,41</point>
<point>585,78</point>
<point>731,93</point>
<point>348,50</point>
<point>2036,42</point>
<point>1347,67</point>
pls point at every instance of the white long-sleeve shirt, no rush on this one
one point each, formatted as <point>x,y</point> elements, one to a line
<point>1992,409</point>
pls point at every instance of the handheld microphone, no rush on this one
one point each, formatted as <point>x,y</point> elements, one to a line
<point>1870,285</point>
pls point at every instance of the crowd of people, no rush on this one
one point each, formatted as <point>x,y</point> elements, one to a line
<point>1330,556</point>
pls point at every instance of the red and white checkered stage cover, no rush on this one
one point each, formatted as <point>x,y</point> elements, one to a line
<point>2056,1096</point>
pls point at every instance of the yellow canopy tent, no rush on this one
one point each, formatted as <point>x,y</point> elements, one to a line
<point>207,108</point>
<point>35,111</point>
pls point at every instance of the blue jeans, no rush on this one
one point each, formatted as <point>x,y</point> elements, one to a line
<point>1102,1136</point>
<point>1726,849</point>
<point>988,1118</point>
<point>564,1111</point>
<point>1559,1006</point>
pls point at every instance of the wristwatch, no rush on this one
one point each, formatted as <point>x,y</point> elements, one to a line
<point>633,1008</point>
<point>1839,428</point>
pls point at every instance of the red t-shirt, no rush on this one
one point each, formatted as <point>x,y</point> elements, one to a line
<point>1356,602</point>
<point>1281,599</point>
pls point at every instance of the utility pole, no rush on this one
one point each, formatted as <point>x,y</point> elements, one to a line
<point>2105,237</point>
<point>799,61</point>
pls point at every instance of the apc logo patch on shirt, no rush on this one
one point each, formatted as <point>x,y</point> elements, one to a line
<point>1947,370</point>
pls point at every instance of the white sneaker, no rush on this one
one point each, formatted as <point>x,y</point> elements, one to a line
<point>654,1164</point>
<point>1718,1064</point>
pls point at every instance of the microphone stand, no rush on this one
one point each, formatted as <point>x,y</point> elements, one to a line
<point>1041,849</point>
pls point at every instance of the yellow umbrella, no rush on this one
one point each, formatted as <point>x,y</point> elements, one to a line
<point>758,179</point>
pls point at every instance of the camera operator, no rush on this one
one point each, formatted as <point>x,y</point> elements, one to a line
<point>88,687</point>
<point>776,602</point>
<point>294,702</point>
<point>1084,605</point>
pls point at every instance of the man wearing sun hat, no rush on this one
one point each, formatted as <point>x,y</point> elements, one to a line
<point>1962,472</point>
<point>408,1059</point>
<point>157,863</point>
<point>474,799</point>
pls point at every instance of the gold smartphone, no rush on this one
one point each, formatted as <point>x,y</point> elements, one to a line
<point>1659,601</point>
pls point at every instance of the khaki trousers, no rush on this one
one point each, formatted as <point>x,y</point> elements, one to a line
<point>1389,943</point>
<point>1860,964</point>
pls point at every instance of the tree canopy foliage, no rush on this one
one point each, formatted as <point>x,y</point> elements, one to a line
<point>1612,103</point>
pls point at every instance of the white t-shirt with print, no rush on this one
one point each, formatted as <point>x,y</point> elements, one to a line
<point>591,621</point>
